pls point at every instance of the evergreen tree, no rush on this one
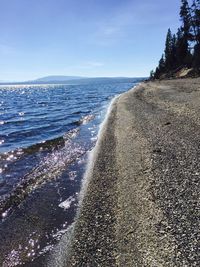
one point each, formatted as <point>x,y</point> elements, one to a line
<point>197,15</point>
<point>195,10</point>
<point>185,15</point>
<point>181,55</point>
<point>182,49</point>
<point>157,73</point>
<point>161,65</point>
<point>196,60</point>
<point>174,52</point>
<point>196,32</point>
<point>168,50</point>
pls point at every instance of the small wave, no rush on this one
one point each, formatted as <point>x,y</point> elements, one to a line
<point>67,203</point>
<point>85,119</point>
<point>55,143</point>
<point>71,134</point>
<point>49,168</point>
<point>28,132</point>
<point>52,144</point>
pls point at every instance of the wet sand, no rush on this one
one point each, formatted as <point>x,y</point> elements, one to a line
<point>141,206</point>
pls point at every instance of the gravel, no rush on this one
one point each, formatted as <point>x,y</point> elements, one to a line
<point>141,207</point>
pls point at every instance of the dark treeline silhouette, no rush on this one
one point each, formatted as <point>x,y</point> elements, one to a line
<point>182,50</point>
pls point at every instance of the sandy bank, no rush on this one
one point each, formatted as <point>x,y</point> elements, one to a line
<point>141,207</point>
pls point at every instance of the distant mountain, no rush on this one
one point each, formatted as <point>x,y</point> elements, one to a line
<point>57,78</point>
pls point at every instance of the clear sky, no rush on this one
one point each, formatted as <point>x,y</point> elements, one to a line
<point>83,37</point>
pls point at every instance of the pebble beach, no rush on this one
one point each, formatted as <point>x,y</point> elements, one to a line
<point>141,205</point>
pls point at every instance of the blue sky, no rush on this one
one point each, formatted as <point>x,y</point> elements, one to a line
<point>83,37</point>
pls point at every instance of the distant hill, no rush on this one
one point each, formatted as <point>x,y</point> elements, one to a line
<point>75,80</point>
<point>56,78</point>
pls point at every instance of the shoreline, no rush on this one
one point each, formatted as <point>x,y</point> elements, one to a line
<point>93,154</point>
<point>97,211</point>
<point>59,256</point>
<point>141,205</point>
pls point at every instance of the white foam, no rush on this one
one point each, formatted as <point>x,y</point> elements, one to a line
<point>67,203</point>
<point>59,254</point>
<point>87,118</point>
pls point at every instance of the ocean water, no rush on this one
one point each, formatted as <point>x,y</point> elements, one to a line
<point>46,132</point>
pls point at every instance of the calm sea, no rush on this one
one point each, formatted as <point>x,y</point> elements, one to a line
<point>46,132</point>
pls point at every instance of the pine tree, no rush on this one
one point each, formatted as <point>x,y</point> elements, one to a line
<point>182,49</point>
<point>196,32</point>
<point>185,15</point>
<point>183,55</point>
<point>168,50</point>
<point>161,65</point>
<point>198,20</point>
<point>174,52</point>
<point>157,73</point>
<point>195,10</point>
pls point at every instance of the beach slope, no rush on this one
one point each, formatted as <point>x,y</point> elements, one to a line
<point>141,205</point>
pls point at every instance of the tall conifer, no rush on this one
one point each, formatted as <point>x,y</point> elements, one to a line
<point>161,65</point>
<point>182,49</point>
<point>185,15</point>
<point>196,32</point>
<point>168,50</point>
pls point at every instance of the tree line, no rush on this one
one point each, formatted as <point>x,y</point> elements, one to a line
<point>183,48</point>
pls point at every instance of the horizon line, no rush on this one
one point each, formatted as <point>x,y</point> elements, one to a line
<point>73,76</point>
